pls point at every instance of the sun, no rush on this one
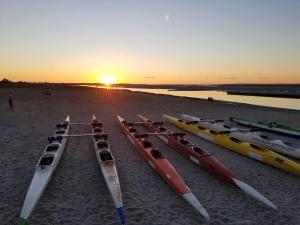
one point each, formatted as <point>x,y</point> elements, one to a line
<point>107,79</point>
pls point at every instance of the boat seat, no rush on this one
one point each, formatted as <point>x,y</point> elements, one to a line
<point>156,154</point>
<point>147,144</point>
<point>100,136</point>
<point>132,130</point>
<point>102,144</point>
<point>52,139</point>
<point>235,140</point>
<point>162,129</point>
<point>97,130</point>
<point>96,124</point>
<point>60,131</point>
<point>199,151</point>
<point>185,142</point>
<point>52,147</point>
<point>105,156</point>
<point>46,160</point>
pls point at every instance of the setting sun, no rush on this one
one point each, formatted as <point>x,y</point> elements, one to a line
<point>107,79</point>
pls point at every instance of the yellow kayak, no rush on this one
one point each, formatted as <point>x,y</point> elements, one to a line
<point>245,148</point>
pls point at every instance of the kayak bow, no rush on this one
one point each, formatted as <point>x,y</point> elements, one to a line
<point>44,170</point>
<point>161,165</point>
<point>107,164</point>
<point>228,141</point>
<point>203,159</point>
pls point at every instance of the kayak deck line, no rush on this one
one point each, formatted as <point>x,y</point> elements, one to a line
<point>107,165</point>
<point>246,148</point>
<point>161,165</point>
<point>205,161</point>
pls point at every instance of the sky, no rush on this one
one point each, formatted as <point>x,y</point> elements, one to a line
<point>154,42</point>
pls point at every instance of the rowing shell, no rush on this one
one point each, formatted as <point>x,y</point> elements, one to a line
<point>44,170</point>
<point>228,141</point>
<point>107,164</point>
<point>203,159</point>
<point>161,165</point>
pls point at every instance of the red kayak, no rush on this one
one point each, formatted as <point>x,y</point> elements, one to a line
<point>161,165</point>
<point>202,158</point>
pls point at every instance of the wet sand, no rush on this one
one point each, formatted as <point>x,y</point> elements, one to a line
<point>77,193</point>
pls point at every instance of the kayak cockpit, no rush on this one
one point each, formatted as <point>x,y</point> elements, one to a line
<point>185,142</point>
<point>60,131</point>
<point>52,147</point>
<point>106,156</point>
<point>162,129</point>
<point>102,144</point>
<point>199,151</point>
<point>157,154</point>
<point>257,147</point>
<point>147,144</point>
<point>46,160</point>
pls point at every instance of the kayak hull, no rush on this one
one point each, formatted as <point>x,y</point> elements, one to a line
<point>108,168</point>
<point>42,176</point>
<point>273,127</point>
<point>162,166</point>
<point>197,155</point>
<point>244,148</point>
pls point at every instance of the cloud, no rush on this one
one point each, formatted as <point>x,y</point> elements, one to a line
<point>150,77</point>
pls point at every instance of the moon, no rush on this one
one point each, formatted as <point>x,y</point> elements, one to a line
<point>167,17</point>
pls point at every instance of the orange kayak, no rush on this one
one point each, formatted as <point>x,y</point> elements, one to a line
<point>161,165</point>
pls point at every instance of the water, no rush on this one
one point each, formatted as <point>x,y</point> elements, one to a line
<point>286,103</point>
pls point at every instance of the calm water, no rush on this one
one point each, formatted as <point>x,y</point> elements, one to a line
<point>287,103</point>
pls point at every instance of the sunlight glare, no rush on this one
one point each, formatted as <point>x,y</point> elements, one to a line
<point>107,79</point>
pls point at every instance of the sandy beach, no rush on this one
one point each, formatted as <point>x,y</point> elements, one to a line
<point>77,193</point>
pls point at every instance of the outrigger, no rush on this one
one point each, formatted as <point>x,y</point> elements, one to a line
<point>161,165</point>
<point>251,135</point>
<point>228,141</point>
<point>44,169</point>
<point>107,165</point>
<point>202,158</point>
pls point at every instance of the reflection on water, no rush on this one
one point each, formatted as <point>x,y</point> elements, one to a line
<point>287,103</point>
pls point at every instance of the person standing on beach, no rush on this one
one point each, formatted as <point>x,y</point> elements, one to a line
<point>11,103</point>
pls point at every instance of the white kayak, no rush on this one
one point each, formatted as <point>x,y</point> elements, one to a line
<point>44,170</point>
<point>107,165</point>
<point>253,137</point>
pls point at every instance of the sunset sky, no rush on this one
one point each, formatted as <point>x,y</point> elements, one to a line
<point>190,42</point>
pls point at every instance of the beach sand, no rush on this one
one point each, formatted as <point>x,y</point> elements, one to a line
<point>77,193</point>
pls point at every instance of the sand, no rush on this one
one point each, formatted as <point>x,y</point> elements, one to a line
<point>77,193</point>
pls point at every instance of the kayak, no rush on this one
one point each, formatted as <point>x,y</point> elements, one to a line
<point>44,169</point>
<point>161,165</point>
<point>216,125</point>
<point>252,137</point>
<point>270,126</point>
<point>245,148</point>
<point>107,165</point>
<point>202,158</point>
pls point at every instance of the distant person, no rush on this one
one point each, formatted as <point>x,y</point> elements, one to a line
<point>11,103</point>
